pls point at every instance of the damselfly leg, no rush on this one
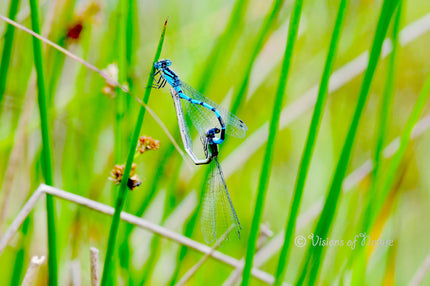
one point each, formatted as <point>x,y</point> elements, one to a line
<point>160,81</point>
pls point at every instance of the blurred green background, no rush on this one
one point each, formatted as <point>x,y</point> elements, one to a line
<point>83,119</point>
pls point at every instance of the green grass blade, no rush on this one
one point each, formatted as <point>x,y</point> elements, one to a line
<point>310,144</point>
<point>224,44</point>
<point>155,247</point>
<point>143,206</point>
<point>55,60</point>
<point>273,130</point>
<point>124,42</point>
<point>358,256</point>
<point>152,260</point>
<point>122,192</point>
<point>386,102</point>
<point>120,100</point>
<point>261,39</point>
<point>130,32</point>
<point>20,255</point>
<point>385,110</point>
<point>189,228</point>
<point>315,253</point>
<point>404,142</point>
<point>7,48</point>
<point>46,146</point>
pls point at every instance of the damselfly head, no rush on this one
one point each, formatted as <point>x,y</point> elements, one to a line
<point>162,64</point>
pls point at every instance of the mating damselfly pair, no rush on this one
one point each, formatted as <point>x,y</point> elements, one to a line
<point>209,119</point>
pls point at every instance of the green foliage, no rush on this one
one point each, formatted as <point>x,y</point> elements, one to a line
<point>315,257</point>
<point>123,188</point>
<point>273,130</point>
<point>231,52</point>
<point>7,48</point>
<point>381,134</point>
<point>310,144</point>
<point>46,146</point>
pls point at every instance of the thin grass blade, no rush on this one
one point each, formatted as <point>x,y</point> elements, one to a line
<point>273,130</point>
<point>7,48</point>
<point>225,44</point>
<point>358,257</point>
<point>122,192</point>
<point>315,253</point>
<point>261,39</point>
<point>310,144</point>
<point>46,146</point>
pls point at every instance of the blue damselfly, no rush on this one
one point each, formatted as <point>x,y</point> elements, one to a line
<point>218,213</point>
<point>204,113</point>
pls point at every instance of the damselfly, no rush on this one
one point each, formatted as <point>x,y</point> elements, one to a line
<point>218,213</point>
<point>204,113</point>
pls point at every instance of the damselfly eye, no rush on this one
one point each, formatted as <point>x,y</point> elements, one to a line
<point>162,64</point>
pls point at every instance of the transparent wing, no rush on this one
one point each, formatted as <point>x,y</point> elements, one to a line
<point>218,212</point>
<point>200,150</point>
<point>184,129</point>
<point>187,134</point>
<point>234,126</point>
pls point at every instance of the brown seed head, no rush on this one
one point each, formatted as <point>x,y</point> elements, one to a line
<point>147,143</point>
<point>117,174</point>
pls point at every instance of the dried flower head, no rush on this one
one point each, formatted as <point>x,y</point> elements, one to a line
<point>147,143</point>
<point>74,31</point>
<point>118,172</point>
